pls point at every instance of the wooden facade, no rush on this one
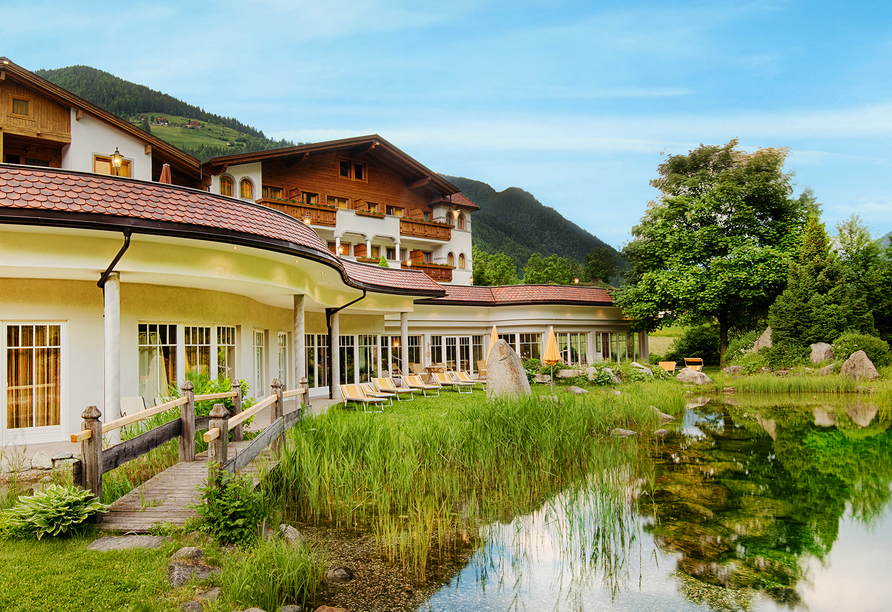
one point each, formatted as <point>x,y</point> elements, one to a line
<point>33,127</point>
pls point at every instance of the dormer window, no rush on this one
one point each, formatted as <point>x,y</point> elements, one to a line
<point>226,186</point>
<point>246,189</point>
<point>21,107</point>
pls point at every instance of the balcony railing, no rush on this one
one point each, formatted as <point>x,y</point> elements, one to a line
<point>425,229</point>
<point>438,272</point>
<point>316,215</point>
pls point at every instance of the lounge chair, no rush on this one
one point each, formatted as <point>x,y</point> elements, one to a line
<point>415,382</point>
<point>445,380</point>
<point>369,390</point>
<point>386,385</point>
<point>481,369</point>
<point>353,393</point>
<point>466,378</point>
<point>669,366</point>
<point>693,363</point>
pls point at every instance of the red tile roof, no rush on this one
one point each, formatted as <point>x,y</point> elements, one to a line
<point>58,197</point>
<point>522,294</point>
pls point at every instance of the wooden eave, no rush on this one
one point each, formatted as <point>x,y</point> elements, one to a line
<point>371,146</point>
<point>181,162</point>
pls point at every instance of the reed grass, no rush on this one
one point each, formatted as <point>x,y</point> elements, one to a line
<point>769,383</point>
<point>423,476</point>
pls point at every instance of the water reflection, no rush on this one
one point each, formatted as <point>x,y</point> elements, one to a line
<point>757,505</point>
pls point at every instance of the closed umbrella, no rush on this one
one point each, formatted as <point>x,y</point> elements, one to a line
<point>493,338</point>
<point>551,355</point>
<point>165,174</point>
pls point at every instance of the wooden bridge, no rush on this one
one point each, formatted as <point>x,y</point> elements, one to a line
<point>167,497</point>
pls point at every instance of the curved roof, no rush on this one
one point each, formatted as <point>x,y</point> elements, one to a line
<point>512,295</point>
<point>45,196</point>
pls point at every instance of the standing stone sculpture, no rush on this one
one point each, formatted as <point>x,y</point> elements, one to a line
<point>505,376</point>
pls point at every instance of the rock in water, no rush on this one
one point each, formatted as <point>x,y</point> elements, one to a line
<point>623,433</point>
<point>859,366</point>
<point>505,376</point>
<point>821,351</point>
<point>687,375</point>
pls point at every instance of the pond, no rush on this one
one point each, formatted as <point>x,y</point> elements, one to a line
<point>749,503</point>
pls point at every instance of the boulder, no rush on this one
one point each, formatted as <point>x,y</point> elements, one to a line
<point>821,351</point>
<point>179,574</point>
<point>340,574</point>
<point>190,554</point>
<point>505,376</point>
<point>642,368</point>
<point>732,370</point>
<point>576,390</point>
<point>859,367</point>
<point>590,373</point>
<point>569,373</point>
<point>687,375</point>
<point>661,432</point>
<point>292,536</point>
<point>542,378</point>
<point>330,609</point>
<point>696,402</point>
<point>665,418</point>
<point>192,606</point>
<point>127,542</point>
<point>41,461</point>
<point>764,341</point>
<point>211,594</point>
<point>614,379</point>
<point>623,433</point>
<point>291,608</point>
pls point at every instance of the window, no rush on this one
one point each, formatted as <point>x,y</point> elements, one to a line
<point>157,359</point>
<point>317,360</point>
<point>273,193</point>
<point>477,353</point>
<point>261,385</point>
<point>450,220</point>
<point>226,186</point>
<point>226,352</point>
<point>344,168</point>
<point>246,189</point>
<point>461,221</point>
<point>390,253</point>
<point>102,164</point>
<point>33,375</point>
<point>450,259</point>
<point>351,170</point>
<point>376,252</point>
<point>371,207</point>
<point>347,359</point>
<point>345,249</point>
<point>283,358</point>
<point>428,257</point>
<point>21,107</point>
<point>436,349</point>
<point>529,346</point>
<point>395,210</point>
<point>359,172</point>
<point>426,216</point>
<point>461,261</point>
<point>311,198</point>
<point>342,203</point>
<point>197,341</point>
<point>573,347</point>
<point>368,357</point>
<point>331,246</point>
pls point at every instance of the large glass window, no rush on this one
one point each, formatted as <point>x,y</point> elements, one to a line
<point>197,341</point>
<point>317,360</point>
<point>368,358</point>
<point>414,350</point>
<point>573,347</point>
<point>157,359</point>
<point>529,346</point>
<point>226,352</point>
<point>261,384</point>
<point>33,375</point>
<point>283,358</point>
<point>477,353</point>
<point>347,358</point>
<point>436,349</point>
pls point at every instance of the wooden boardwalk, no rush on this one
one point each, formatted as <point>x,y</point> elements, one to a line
<point>164,498</point>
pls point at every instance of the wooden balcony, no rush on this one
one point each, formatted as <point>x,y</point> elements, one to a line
<point>442,274</point>
<point>425,229</point>
<point>318,215</point>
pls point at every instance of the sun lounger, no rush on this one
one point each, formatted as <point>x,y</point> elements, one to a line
<point>415,382</point>
<point>445,380</point>
<point>669,366</point>
<point>466,378</point>
<point>368,389</point>
<point>386,385</point>
<point>694,363</point>
<point>353,393</point>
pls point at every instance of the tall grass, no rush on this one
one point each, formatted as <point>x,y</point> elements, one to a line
<point>423,476</point>
<point>769,383</point>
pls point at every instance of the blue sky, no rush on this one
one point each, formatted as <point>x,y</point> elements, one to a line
<point>576,102</point>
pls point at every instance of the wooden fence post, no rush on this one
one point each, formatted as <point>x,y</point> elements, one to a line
<point>277,410</point>
<point>91,451</point>
<point>305,398</point>
<point>187,420</point>
<point>237,434</point>
<point>217,448</point>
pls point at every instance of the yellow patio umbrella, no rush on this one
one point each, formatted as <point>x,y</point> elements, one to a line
<point>493,338</point>
<point>551,355</point>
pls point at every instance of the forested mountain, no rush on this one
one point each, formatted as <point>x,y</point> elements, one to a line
<point>517,224</point>
<point>130,101</point>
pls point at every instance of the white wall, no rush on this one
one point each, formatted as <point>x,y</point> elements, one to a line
<point>251,172</point>
<point>90,137</point>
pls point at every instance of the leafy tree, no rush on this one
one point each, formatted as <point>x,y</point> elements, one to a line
<point>551,270</point>
<point>493,268</point>
<point>144,125</point>
<point>600,265</point>
<point>718,242</point>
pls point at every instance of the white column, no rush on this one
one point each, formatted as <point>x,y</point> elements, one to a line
<point>335,356</point>
<point>299,342</point>
<point>337,245</point>
<point>404,342</point>
<point>111,292</point>
<point>368,247</point>
<point>426,350</point>
<point>590,348</point>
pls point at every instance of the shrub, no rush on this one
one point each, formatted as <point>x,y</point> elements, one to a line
<point>56,511</point>
<point>740,347</point>
<point>531,367</point>
<point>602,378</point>
<point>850,342</point>
<point>230,508</point>
<point>698,341</point>
<point>786,355</point>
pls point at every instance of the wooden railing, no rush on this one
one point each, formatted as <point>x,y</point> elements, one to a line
<point>95,460</point>
<point>437,272</point>
<point>425,229</point>
<point>316,215</point>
